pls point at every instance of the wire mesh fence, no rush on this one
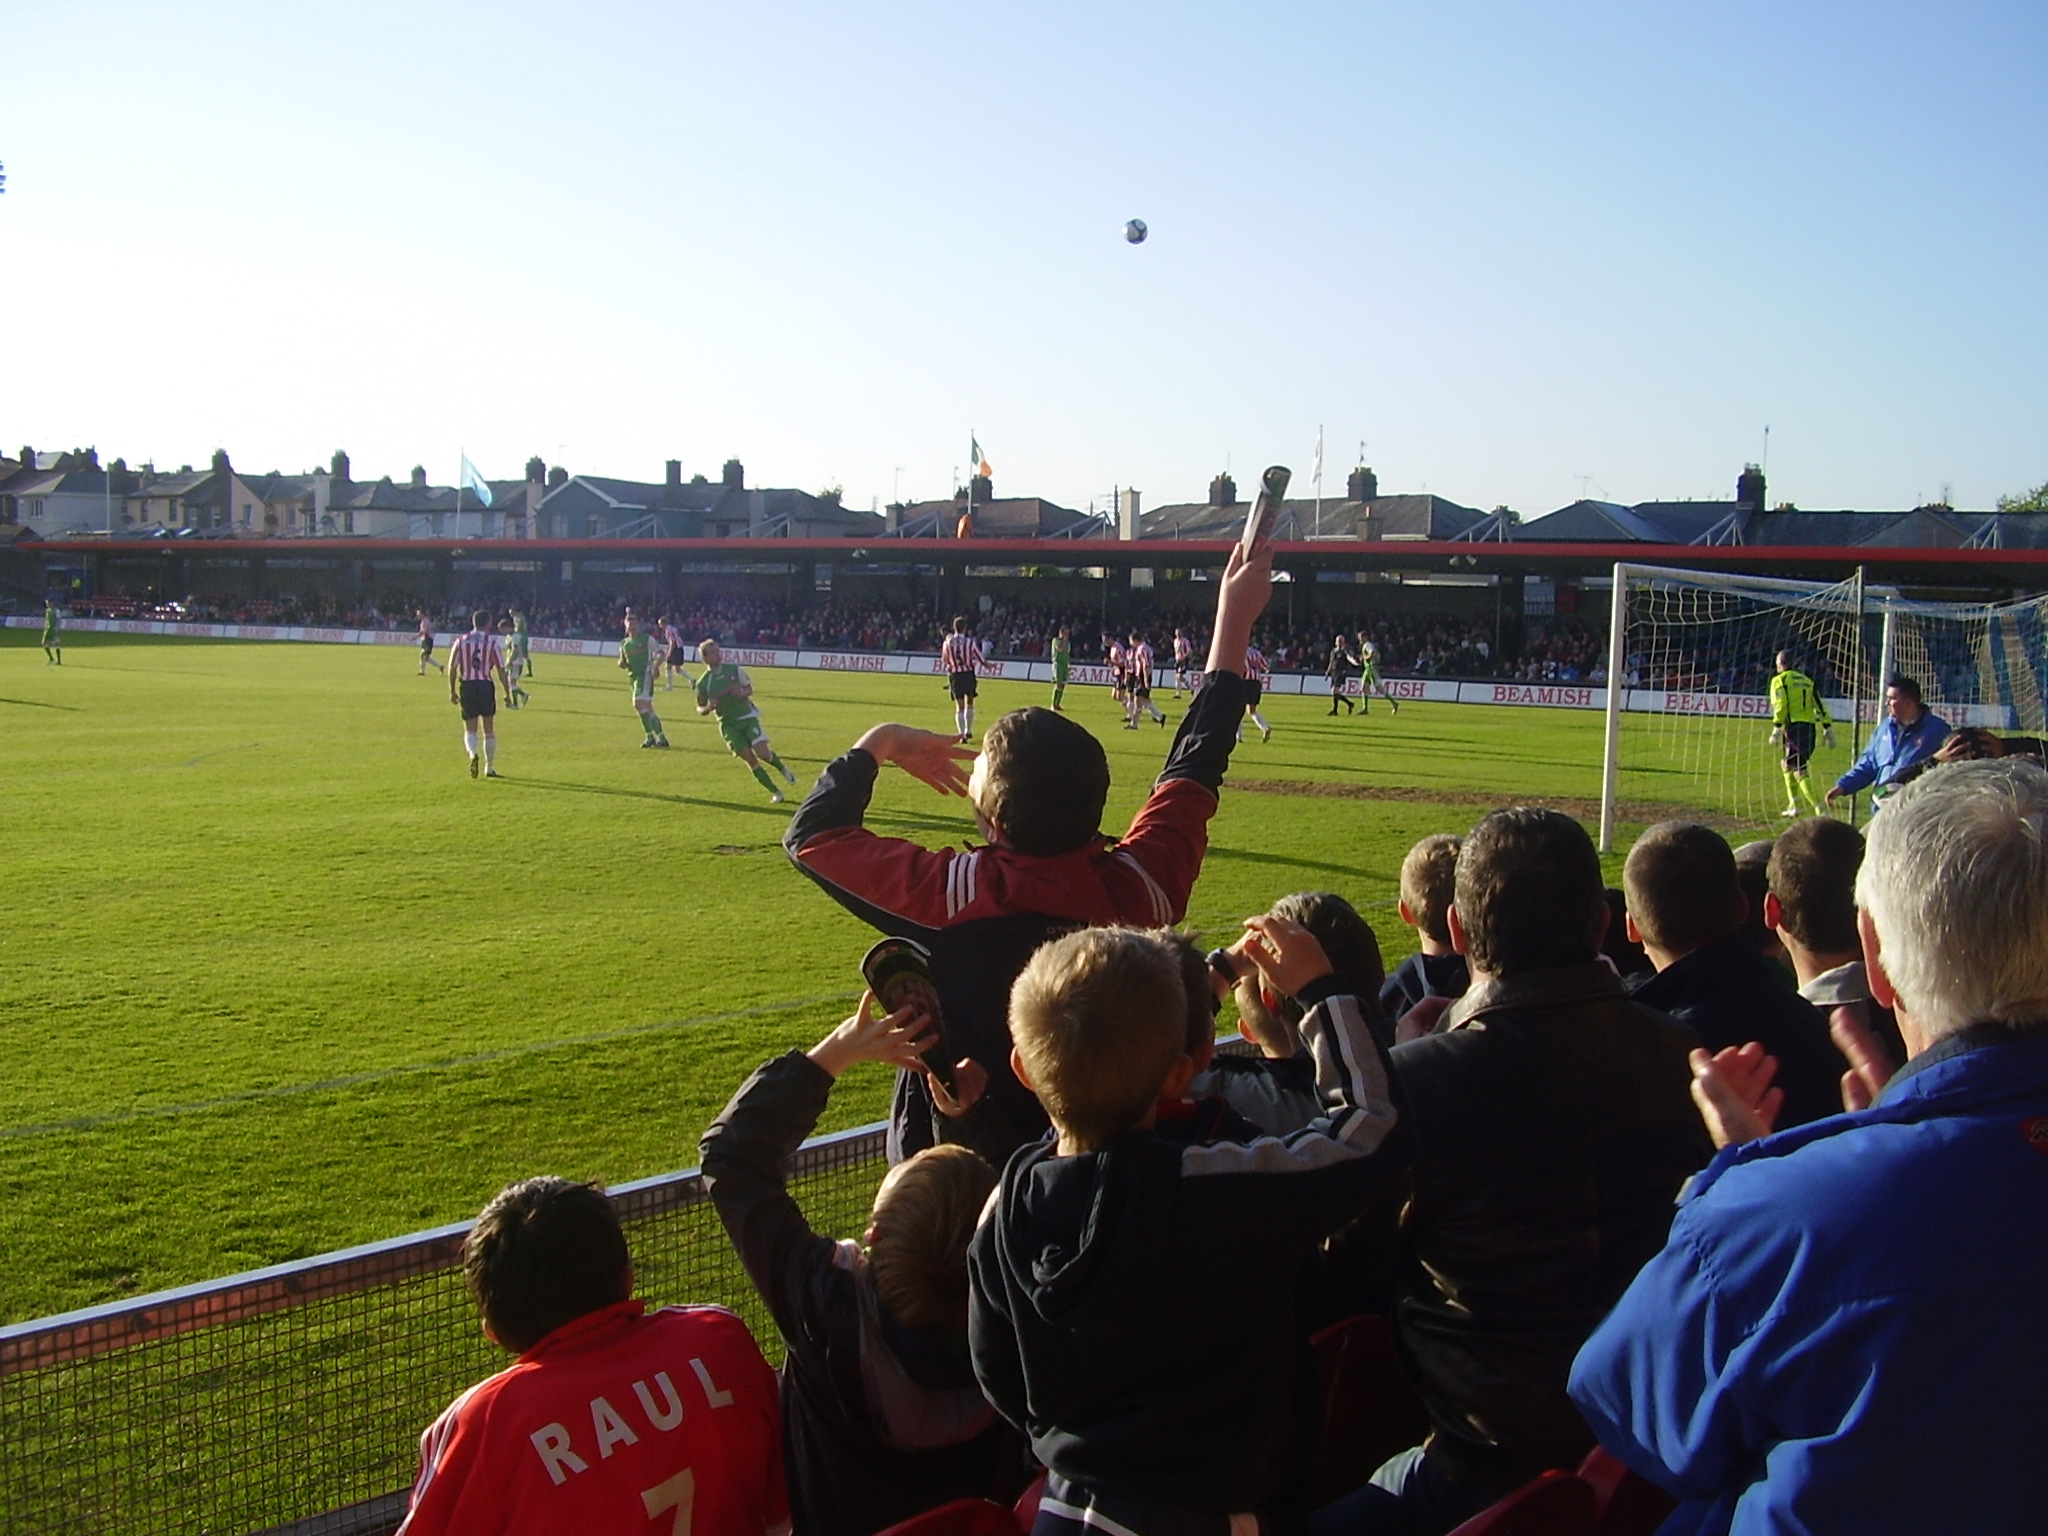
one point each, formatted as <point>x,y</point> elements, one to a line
<point>292,1398</point>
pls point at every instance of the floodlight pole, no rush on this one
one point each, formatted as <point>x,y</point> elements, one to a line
<point>1610,761</point>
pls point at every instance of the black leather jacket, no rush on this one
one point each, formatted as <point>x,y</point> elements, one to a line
<point>1552,1128</point>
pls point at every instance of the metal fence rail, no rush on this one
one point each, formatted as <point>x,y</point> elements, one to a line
<point>292,1398</point>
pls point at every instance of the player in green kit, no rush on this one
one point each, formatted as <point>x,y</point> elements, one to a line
<point>1369,678</point>
<point>521,645</point>
<point>726,688</point>
<point>636,657</point>
<point>1062,662</point>
<point>1796,708</point>
<point>515,664</point>
<point>53,641</point>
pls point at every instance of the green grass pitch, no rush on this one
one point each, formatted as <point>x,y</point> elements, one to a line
<point>279,977</point>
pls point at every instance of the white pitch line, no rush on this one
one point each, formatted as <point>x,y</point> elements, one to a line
<point>412,1069</point>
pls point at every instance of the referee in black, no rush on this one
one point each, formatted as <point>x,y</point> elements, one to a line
<point>470,665</point>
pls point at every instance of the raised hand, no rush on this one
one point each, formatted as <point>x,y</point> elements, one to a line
<point>896,1039</point>
<point>1733,1090</point>
<point>1241,596</point>
<point>940,761</point>
<point>1287,954</point>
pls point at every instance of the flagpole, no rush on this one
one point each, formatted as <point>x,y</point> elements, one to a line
<point>1319,480</point>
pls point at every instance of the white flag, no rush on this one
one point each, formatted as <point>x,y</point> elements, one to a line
<point>1316,474</point>
<point>474,482</point>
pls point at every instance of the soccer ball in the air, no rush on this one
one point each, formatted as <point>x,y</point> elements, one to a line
<point>1135,231</point>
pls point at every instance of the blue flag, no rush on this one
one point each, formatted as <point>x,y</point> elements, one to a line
<point>472,481</point>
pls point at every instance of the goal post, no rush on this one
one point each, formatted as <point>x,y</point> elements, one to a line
<point>1691,654</point>
<point>1690,658</point>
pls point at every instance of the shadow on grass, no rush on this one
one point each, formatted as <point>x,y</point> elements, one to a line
<point>563,787</point>
<point>1246,856</point>
<point>41,704</point>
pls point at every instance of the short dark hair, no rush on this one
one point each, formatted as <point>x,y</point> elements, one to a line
<point>1347,938</point>
<point>1910,687</point>
<point>1047,780</point>
<point>1813,875</point>
<point>959,623</point>
<point>1752,866</point>
<point>479,620</point>
<point>1529,891</point>
<point>1682,888</point>
<point>544,1252</point>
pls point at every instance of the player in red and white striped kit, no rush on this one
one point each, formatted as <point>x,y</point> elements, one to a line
<point>1257,673</point>
<point>471,666</point>
<point>1183,662</point>
<point>1138,697</point>
<point>961,658</point>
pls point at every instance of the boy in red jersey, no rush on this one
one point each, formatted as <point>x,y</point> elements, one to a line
<point>612,1417</point>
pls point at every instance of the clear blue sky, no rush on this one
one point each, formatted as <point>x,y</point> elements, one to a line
<point>1507,246</point>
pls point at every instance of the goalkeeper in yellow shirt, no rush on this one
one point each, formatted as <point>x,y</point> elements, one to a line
<point>1796,712</point>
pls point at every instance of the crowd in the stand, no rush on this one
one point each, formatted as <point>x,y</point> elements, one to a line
<point>1408,644</point>
<point>1095,1270</point>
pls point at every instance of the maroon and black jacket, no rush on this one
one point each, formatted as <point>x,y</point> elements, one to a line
<point>982,911</point>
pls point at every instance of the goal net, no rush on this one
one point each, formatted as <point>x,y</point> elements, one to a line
<point>1689,727</point>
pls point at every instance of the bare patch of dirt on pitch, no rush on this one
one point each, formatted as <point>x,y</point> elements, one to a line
<point>1414,794</point>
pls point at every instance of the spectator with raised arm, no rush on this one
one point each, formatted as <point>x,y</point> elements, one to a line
<point>881,1415</point>
<point>1134,1305</point>
<point>1037,788</point>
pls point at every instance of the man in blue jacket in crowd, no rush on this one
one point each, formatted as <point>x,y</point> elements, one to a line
<point>1844,1332</point>
<point>1909,735</point>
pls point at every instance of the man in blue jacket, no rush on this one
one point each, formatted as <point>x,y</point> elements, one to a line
<point>1844,1331</point>
<point>1909,735</point>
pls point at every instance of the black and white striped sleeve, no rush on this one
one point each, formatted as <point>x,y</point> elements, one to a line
<point>1352,1153</point>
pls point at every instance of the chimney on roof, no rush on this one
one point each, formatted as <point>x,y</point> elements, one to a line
<point>1749,489</point>
<point>220,462</point>
<point>557,476</point>
<point>88,458</point>
<point>675,474</point>
<point>419,477</point>
<point>338,466</point>
<point>1223,491</point>
<point>1363,485</point>
<point>1127,520</point>
<point>536,470</point>
<point>28,457</point>
<point>735,475</point>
